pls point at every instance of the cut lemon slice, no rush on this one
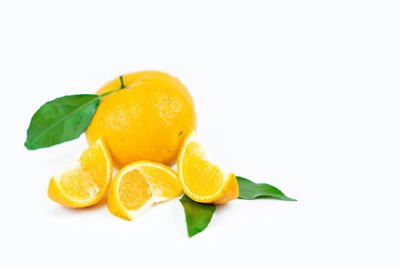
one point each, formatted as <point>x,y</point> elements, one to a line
<point>204,180</point>
<point>85,181</point>
<point>139,185</point>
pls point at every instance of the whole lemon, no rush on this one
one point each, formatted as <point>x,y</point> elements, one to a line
<point>145,121</point>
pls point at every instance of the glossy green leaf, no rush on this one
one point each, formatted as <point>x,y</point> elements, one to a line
<point>198,215</point>
<point>250,190</point>
<point>62,119</point>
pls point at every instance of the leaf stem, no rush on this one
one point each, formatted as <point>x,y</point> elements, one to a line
<point>117,89</point>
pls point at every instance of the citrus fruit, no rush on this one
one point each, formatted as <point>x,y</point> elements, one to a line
<point>145,121</point>
<point>139,185</point>
<point>202,179</point>
<point>85,181</point>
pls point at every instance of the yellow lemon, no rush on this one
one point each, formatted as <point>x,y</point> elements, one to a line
<point>145,121</point>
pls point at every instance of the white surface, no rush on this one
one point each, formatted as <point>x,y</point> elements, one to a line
<point>300,94</point>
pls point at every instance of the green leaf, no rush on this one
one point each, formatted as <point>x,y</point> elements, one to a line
<point>198,215</point>
<point>250,190</point>
<point>62,119</point>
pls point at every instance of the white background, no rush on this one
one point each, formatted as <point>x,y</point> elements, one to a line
<point>303,95</point>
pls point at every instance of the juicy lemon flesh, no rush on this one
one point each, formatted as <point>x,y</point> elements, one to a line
<point>201,176</point>
<point>86,180</point>
<point>78,185</point>
<point>134,191</point>
<point>164,184</point>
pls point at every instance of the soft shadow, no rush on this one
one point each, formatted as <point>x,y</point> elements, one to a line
<point>227,206</point>
<point>94,207</point>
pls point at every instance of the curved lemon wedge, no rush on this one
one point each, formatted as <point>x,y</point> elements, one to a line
<point>85,181</point>
<point>202,179</point>
<point>139,185</point>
